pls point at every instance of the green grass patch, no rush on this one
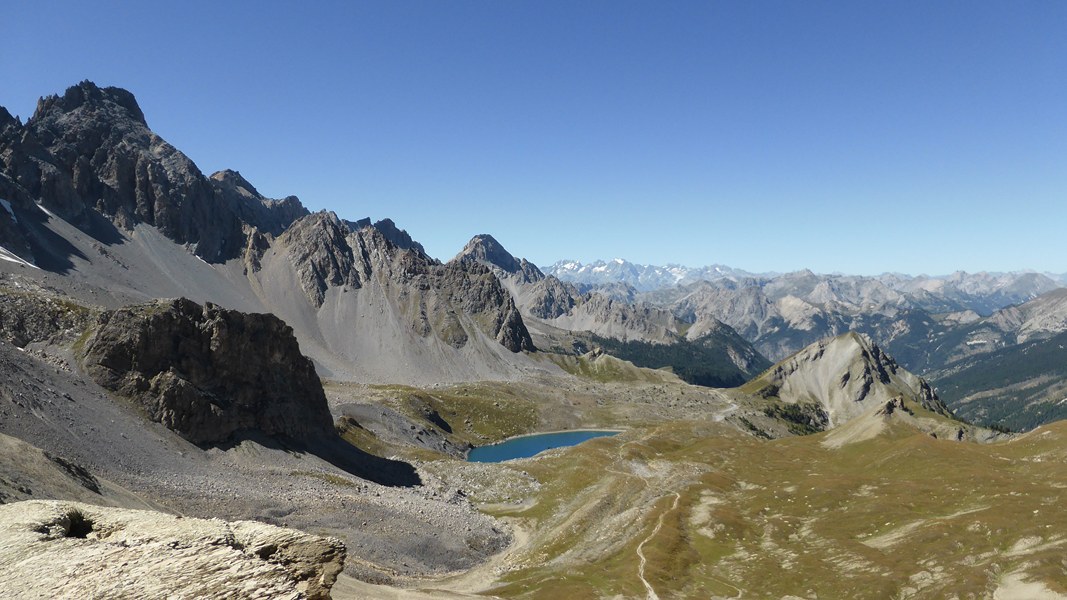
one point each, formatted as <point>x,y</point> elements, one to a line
<point>790,517</point>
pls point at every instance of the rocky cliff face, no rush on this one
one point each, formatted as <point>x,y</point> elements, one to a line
<point>476,291</point>
<point>89,153</point>
<point>320,253</point>
<point>96,141</point>
<point>54,549</point>
<point>208,373</point>
<point>446,301</point>
<point>13,201</point>
<point>449,290</point>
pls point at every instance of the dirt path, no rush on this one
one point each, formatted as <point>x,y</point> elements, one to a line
<point>720,416</point>
<point>640,548</point>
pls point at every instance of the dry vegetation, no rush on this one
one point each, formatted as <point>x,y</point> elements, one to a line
<point>716,512</point>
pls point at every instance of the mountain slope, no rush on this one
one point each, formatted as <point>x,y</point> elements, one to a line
<point>89,153</point>
<point>711,354</point>
<point>385,313</point>
<point>846,376</point>
<point>1019,387</point>
<point>114,215</point>
<point>913,317</point>
<point>694,510</point>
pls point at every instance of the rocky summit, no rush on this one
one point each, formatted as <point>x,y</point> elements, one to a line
<point>94,144</point>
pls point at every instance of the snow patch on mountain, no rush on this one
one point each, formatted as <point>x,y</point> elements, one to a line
<point>9,256</point>
<point>644,278</point>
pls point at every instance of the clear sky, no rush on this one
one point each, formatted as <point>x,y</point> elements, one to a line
<point>861,137</point>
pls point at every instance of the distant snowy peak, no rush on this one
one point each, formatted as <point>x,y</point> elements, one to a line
<point>999,289</point>
<point>643,278</point>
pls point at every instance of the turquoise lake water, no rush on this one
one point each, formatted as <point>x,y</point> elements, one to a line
<point>523,447</point>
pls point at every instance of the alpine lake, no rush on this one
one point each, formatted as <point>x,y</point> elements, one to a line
<point>529,445</point>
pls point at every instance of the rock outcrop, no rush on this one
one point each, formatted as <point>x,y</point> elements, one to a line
<point>55,549</point>
<point>321,255</point>
<point>447,301</point>
<point>207,372</point>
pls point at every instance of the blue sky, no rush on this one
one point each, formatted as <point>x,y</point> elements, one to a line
<point>860,137</point>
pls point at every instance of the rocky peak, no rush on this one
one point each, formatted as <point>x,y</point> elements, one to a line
<point>485,249</point>
<point>398,237</point>
<point>87,96</point>
<point>233,180</point>
<point>357,225</point>
<point>90,150</point>
<point>6,120</point>
<point>846,375</point>
<point>244,200</point>
<point>319,251</point>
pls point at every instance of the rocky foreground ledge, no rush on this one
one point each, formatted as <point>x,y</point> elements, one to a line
<point>56,549</point>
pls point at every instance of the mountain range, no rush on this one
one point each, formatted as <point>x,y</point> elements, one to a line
<point>113,214</point>
<point>172,341</point>
<point>944,328</point>
<point>650,278</point>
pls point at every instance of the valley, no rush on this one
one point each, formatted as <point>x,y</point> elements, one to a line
<point>181,355</point>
